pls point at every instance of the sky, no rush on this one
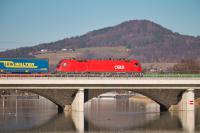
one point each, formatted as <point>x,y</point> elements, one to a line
<point>31,22</point>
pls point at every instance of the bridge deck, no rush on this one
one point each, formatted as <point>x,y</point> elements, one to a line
<point>98,82</point>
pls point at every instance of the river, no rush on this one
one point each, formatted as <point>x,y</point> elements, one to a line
<point>37,114</point>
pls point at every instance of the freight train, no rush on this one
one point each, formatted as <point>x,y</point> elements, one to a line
<point>73,66</point>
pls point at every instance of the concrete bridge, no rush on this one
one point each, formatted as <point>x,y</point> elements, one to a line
<point>74,91</point>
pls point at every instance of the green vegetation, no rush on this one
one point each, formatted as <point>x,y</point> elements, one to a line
<point>171,75</point>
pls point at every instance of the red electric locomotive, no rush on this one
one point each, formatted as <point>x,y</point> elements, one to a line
<point>100,67</point>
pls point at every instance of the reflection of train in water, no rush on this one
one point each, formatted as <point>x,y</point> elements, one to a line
<point>73,66</point>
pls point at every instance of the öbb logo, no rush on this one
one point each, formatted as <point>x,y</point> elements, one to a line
<point>119,67</point>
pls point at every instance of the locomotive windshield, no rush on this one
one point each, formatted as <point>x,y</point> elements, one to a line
<point>136,64</point>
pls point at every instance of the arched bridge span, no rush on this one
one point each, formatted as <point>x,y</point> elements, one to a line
<point>62,91</point>
<point>62,97</point>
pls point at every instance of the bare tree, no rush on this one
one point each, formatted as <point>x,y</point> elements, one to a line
<point>187,66</point>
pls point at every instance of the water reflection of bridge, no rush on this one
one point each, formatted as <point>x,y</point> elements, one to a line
<point>75,121</point>
<point>96,118</point>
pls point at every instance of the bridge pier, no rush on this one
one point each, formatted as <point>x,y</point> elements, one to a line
<point>78,119</point>
<point>187,110</point>
<point>187,119</point>
<point>187,101</point>
<point>78,103</point>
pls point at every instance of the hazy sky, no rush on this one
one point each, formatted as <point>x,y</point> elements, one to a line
<point>30,22</point>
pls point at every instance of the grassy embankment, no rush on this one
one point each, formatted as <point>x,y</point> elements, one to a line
<point>175,75</point>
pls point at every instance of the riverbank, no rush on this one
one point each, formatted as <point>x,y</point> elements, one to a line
<point>143,99</point>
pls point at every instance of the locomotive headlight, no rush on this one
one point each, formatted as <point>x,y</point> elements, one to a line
<point>64,64</point>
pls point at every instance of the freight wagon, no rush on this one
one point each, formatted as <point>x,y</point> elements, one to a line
<point>10,65</point>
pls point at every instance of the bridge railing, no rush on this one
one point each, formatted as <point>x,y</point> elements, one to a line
<point>175,75</point>
<point>48,76</point>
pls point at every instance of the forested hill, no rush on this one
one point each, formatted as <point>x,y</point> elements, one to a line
<point>145,40</point>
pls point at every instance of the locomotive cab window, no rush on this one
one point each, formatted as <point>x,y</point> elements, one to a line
<point>136,64</point>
